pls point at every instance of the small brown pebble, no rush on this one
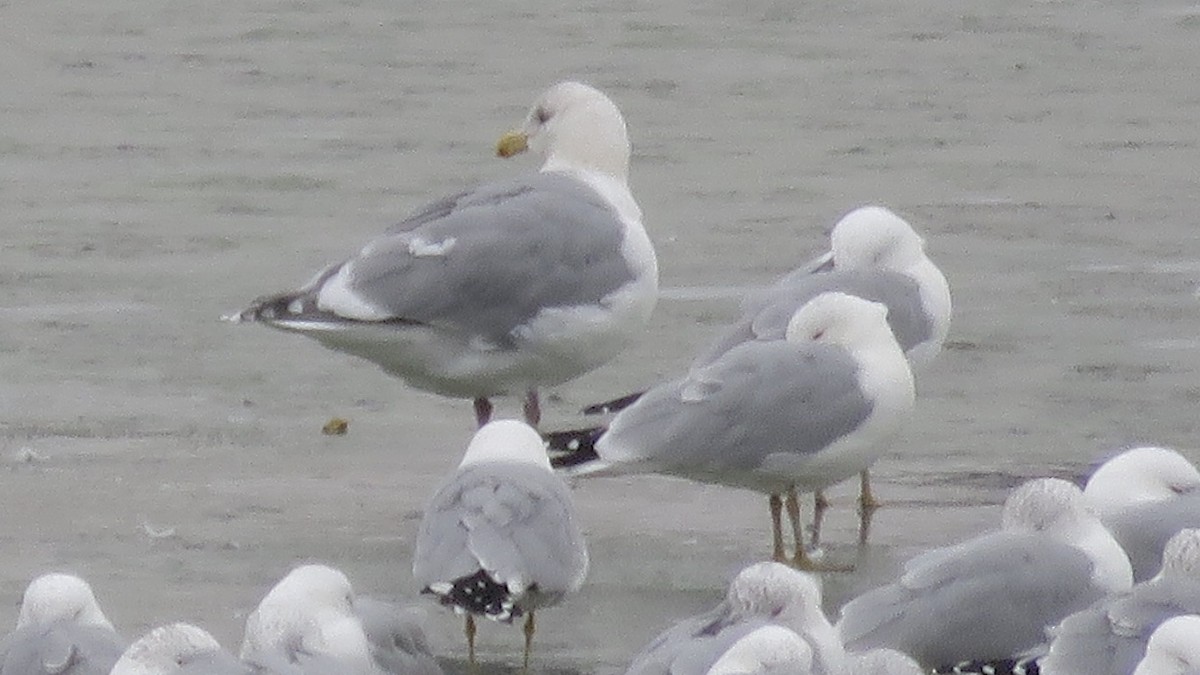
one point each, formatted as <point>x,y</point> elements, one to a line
<point>336,427</point>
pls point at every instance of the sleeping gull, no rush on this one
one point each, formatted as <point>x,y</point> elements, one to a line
<point>1144,496</point>
<point>62,630</point>
<point>1109,638</point>
<point>874,254</point>
<point>1173,649</point>
<point>506,287</point>
<point>307,623</point>
<point>499,537</point>
<point>178,649</point>
<point>994,596</point>
<point>803,412</point>
<point>882,661</point>
<point>762,595</point>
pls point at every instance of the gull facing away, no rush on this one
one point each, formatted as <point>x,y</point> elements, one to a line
<point>499,537</point>
<point>771,615</point>
<point>804,412</point>
<point>874,254</point>
<point>1109,637</point>
<point>178,649</point>
<point>503,288</point>
<point>308,624</point>
<point>993,597</point>
<point>1144,496</point>
<point>1173,649</point>
<point>61,630</point>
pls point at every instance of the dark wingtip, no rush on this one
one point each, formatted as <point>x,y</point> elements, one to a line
<point>477,593</point>
<point>1022,666</point>
<point>573,446</point>
<point>614,405</point>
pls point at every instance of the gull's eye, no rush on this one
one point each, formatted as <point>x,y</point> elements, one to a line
<point>541,115</point>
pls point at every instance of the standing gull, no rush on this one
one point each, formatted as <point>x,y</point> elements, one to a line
<point>61,630</point>
<point>1144,496</point>
<point>499,537</point>
<point>994,596</point>
<point>1109,638</point>
<point>874,254</point>
<point>803,412</point>
<point>763,596</point>
<point>504,288</point>
<point>1173,649</point>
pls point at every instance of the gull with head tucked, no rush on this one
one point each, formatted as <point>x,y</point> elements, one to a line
<point>60,630</point>
<point>803,412</point>
<point>503,288</point>
<point>993,597</point>
<point>875,255</point>
<point>178,649</point>
<point>1144,496</point>
<point>308,624</point>
<point>770,622</point>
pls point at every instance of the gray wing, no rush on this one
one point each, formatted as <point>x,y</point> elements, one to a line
<point>1143,530</point>
<point>766,317</point>
<point>62,648</point>
<point>691,646</point>
<point>512,520</point>
<point>1110,636</point>
<point>989,598</point>
<point>451,265</point>
<point>397,637</point>
<point>760,398</point>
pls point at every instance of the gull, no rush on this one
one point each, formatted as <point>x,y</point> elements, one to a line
<point>504,288</point>
<point>874,254</point>
<point>311,623</point>
<point>1144,496</point>
<point>804,412</point>
<point>1109,637</point>
<point>1173,649</point>
<point>178,649</point>
<point>771,618</point>
<point>61,630</point>
<point>499,537</point>
<point>994,596</point>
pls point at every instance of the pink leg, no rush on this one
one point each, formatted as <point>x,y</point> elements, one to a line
<point>483,411</point>
<point>532,409</point>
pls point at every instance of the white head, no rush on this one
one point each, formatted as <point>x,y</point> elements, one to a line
<point>573,126</point>
<point>1044,504</point>
<point>166,649</point>
<point>767,650</point>
<point>508,441</point>
<point>872,237</point>
<point>1173,648</point>
<point>60,597</point>
<point>841,319</point>
<point>790,598</point>
<point>1181,555</point>
<point>313,606</point>
<point>1057,508</point>
<point>1140,475</point>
